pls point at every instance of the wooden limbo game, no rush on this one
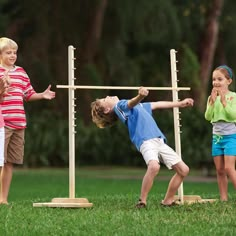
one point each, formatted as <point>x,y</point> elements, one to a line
<point>72,201</point>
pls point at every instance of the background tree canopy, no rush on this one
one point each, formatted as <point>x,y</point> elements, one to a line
<point>117,43</point>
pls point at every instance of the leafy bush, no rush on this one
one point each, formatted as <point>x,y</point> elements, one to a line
<point>47,141</point>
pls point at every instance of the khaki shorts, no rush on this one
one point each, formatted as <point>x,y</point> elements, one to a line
<point>14,145</point>
<point>156,149</point>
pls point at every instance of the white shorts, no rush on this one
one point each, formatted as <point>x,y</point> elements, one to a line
<point>156,149</point>
<point>2,141</point>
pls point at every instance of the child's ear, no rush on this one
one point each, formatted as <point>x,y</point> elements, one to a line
<point>107,110</point>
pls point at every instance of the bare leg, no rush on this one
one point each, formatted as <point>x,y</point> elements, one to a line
<point>152,171</point>
<point>230,168</point>
<point>182,171</point>
<point>0,185</point>
<point>6,177</point>
<point>222,178</point>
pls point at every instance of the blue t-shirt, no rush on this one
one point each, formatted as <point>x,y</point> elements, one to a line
<point>139,120</point>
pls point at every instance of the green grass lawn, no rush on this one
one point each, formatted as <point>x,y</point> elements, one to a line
<point>113,192</point>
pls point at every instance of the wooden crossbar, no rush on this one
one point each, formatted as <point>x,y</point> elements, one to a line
<point>120,87</point>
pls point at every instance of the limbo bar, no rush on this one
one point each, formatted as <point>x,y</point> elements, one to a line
<point>120,87</point>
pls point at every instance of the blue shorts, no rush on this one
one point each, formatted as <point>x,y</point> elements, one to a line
<point>224,145</point>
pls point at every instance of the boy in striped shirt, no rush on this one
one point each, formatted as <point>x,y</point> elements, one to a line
<point>20,90</point>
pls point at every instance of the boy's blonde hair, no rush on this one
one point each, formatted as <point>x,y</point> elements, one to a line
<point>7,43</point>
<point>99,117</point>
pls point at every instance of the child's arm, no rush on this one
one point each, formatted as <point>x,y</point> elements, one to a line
<point>2,89</point>
<point>213,96</point>
<point>209,109</point>
<point>211,104</point>
<point>228,105</point>
<point>142,93</point>
<point>47,94</point>
<point>187,102</point>
<point>4,85</point>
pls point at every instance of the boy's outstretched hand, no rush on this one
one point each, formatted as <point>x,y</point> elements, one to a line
<point>187,102</point>
<point>48,94</point>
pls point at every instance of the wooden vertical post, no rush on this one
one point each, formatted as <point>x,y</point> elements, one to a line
<point>70,202</point>
<point>176,113</point>
<point>71,101</point>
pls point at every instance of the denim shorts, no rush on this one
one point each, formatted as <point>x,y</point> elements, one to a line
<point>224,145</point>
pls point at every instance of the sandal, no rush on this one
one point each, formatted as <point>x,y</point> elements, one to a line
<point>140,204</point>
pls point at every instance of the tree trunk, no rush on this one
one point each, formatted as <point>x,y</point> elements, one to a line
<point>94,32</point>
<point>89,52</point>
<point>207,51</point>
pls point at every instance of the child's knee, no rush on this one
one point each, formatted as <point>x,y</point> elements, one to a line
<point>229,169</point>
<point>153,167</point>
<point>185,171</point>
<point>182,169</point>
<point>221,171</point>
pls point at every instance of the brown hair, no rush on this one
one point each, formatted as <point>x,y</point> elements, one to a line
<point>226,71</point>
<point>99,117</point>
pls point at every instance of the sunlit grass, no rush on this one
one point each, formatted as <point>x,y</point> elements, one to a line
<point>113,212</point>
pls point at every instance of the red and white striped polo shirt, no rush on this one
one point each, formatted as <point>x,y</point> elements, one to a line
<point>13,103</point>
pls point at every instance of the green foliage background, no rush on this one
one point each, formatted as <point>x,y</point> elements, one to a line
<point>47,144</point>
<point>133,50</point>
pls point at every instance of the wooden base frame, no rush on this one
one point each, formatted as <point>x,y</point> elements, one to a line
<point>190,199</point>
<point>66,203</point>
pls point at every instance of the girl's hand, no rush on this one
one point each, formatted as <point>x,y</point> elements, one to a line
<point>222,94</point>
<point>214,93</point>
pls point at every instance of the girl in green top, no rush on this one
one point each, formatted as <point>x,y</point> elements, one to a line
<point>221,112</point>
